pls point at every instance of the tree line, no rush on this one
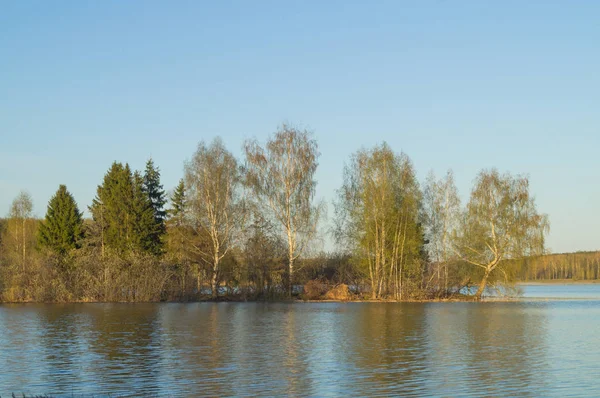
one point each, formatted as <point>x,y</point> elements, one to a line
<point>246,229</point>
<point>582,266</point>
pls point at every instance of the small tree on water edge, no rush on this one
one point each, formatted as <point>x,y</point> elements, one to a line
<point>500,223</point>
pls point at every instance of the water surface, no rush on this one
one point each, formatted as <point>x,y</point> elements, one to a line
<point>579,291</point>
<point>528,348</point>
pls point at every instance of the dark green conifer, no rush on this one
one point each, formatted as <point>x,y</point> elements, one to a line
<point>157,197</point>
<point>178,203</point>
<point>144,228</point>
<point>62,229</point>
<point>109,207</point>
<point>123,210</point>
<point>177,235</point>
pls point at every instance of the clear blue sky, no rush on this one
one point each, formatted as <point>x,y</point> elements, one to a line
<point>455,84</point>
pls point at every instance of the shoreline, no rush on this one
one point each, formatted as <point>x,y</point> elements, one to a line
<point>548,282</point>
<point>467,299</point>
<point>225,299</point>
<point>432,301</point>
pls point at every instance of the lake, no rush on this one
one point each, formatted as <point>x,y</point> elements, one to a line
<point>547,344</point>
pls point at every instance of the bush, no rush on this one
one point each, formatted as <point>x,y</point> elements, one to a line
<point>339,292</point>
<point>314,290</point>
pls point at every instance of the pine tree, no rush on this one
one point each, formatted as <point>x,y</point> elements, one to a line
<point>157,197</point>
<point>62,229</point>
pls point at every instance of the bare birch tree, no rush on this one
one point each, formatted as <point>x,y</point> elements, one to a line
<point>20,218</point>
<point>213,183</point>
<point>442,211</point>
<point>501,222</point>
<point>281,176</point>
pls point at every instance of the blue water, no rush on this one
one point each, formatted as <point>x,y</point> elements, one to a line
<point>532,347</point>
<point>560,291</point>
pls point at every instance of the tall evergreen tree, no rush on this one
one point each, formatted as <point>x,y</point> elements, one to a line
<point>109,207</point>
<point>157,198</point>
<point>178,204</point>
<point>123,211</point>
<point>146,231</point>
<point>177,237</point>
<point>62,229</point>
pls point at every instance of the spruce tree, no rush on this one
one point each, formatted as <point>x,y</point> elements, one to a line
<point>145,230</point>
<point>124,212</point>
<point>62,229</point>
<point>177,234</point>
<point>157,197</point>
<point>110,207</point>
<point>178,204</point>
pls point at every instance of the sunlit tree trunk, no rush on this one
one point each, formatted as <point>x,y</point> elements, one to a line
<point>482,285</point>
<point>24,243</point>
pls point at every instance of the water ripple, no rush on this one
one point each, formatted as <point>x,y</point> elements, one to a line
<point>249,349</point>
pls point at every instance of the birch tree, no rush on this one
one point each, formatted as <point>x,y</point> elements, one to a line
<point>378,218</point>
<point>281,176</point>
<point>442,212</point>
<point>20,226</point>
<point>214,197</point>
<point>501,222</point>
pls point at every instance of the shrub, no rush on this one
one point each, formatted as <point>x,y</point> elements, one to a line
<point>339,292</point>
<point>314,290</point>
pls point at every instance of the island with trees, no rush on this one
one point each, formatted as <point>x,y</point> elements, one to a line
<point>244,229</point>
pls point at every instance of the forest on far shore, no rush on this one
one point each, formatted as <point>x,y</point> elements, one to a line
<point>578,266</point>
<point>247,229</point>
